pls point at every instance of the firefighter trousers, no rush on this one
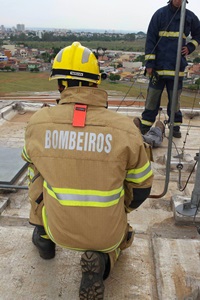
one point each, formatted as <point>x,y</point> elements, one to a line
<point>35,218</point>
<point>153,101</point>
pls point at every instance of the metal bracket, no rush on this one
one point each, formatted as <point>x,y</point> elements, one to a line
<point>187,209</point>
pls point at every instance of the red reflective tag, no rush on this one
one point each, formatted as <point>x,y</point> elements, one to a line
<point>79,117</point>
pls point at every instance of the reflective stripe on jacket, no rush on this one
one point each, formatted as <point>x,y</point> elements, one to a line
<point>85,168</point>
<point>162,39</point>
<point>93,198</point>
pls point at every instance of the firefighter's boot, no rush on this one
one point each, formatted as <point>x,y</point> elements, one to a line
<point>176,132</point>
<point>93,266</point>
<point>45,246</point>
<point>144,128</point>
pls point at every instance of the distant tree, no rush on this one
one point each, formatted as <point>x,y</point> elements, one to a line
<point>119,65</point>
<point>140,58</point>
<point>196,60</point>
<point>31,34</point>
<point>35,69</point>
<point>141,33</point>
<point>129,37</point>
<point>192,87</point>
<point>114,77</point>
<point>48,36</point>
<point>7,68</point>
<point>197,82</point>
<point>55,51</point>
<point>22,37</point>
<point>46,57</point>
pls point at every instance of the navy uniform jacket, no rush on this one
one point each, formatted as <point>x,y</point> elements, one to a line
<point>162,39</point>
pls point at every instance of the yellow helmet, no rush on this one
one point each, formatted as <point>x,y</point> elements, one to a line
<point>76,62</point>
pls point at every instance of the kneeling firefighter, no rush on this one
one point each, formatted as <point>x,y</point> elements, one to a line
<point>88,170</point>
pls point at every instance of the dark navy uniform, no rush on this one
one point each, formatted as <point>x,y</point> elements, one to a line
<point>160,55</point>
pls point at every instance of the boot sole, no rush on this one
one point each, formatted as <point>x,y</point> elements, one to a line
<point>177,135</point>
<point>47,255</point>
<point>92,287</point>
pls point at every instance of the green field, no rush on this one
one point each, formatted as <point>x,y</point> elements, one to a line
<point>16,82</point>
<point>25,82</point>
<point>135,46</point>
<point>12,82</point>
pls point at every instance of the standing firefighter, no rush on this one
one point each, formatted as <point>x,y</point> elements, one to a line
<point>160,55</point>
<point>89,169</point>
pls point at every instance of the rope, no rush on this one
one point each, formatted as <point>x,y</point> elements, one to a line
<point>188,126</point>
<point>150,54</point>
<point>183,149</point>
<point>123,100</point>
<point>187,181</point>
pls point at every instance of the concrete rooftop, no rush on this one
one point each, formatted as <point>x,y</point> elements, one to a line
<point>164,260</point>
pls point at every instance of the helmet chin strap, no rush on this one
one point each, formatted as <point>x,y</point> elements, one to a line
<point>61,88</point>
<point>63,84</point>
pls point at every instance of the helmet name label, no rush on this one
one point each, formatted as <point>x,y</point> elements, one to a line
<point>76,73</point>
<point>79,141</point>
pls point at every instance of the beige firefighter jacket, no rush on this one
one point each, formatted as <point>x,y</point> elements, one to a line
<point>86,169</point>
<point>35,194</point>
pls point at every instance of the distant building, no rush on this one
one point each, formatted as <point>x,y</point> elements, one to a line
<point>11,48</point>
<point>3,58</point>
<point>108,69</point>
<point>3,61</point>
<point>192,71</point>
<point>142,35</point>
<point>2,28</point>
<point>20,27</point>
<point>39,33</point>
<point>23,53</point>
<point>7,53</point>
<point>23,67</point>
<point>126,76</point>
<point>131,65</point>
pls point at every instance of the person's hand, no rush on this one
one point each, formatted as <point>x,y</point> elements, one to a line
<point>185,51</point>
<point>149,71</point>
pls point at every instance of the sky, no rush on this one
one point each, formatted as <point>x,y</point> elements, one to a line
<point>110,15</point>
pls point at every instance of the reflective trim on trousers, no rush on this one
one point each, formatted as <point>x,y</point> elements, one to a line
<point>154,98</point>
